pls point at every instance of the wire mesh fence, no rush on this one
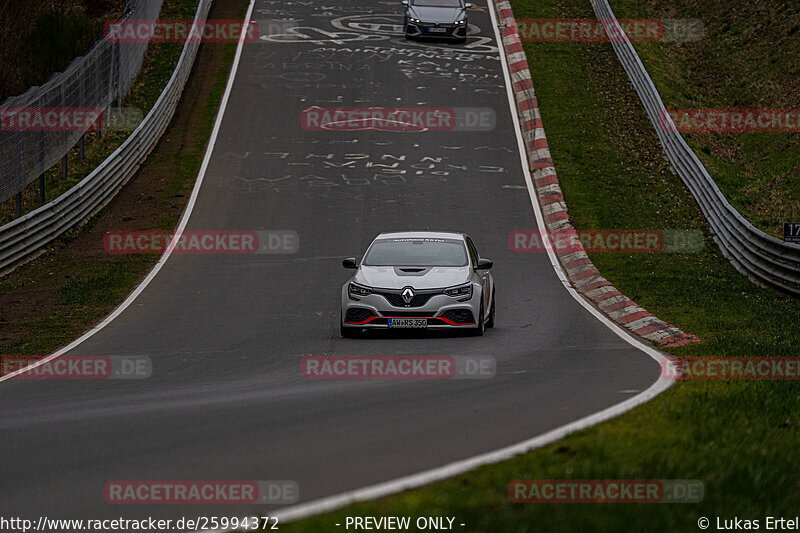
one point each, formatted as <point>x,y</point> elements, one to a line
<point>22,238</point>
<point>40,126</point>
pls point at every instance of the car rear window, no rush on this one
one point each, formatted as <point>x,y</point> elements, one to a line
<point>417,252</point>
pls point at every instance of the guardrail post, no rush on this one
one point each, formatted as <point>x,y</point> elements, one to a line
<point>19,204</point>
<point>82,143</point>
<point>42,188</point>
<point>64,166</point>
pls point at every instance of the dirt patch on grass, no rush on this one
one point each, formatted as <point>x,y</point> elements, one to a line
<point>54,298</point>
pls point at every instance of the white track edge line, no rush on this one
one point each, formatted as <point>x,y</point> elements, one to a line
<point>184,219</point>
<point>388,488</point>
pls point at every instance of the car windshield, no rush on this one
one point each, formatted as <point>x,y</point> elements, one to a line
<point>436,3</point>
<point>417,252</point>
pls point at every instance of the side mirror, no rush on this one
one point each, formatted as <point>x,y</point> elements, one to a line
<point>350,262</point>
<point>405,3</point>
<point>484,264</point>
<point>467,5</point>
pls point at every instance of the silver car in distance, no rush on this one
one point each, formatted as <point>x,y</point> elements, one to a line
<point>419,279</point>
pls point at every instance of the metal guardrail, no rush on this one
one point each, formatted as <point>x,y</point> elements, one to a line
<point>766,260</point>
<point>26,235</point>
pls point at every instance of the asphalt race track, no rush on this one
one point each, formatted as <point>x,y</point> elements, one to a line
<point>226,333</point>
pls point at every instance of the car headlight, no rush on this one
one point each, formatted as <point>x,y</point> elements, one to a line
<point>460,291</point>
<point>461,21</point>
<point>359,290</point>
<point>414,20</point>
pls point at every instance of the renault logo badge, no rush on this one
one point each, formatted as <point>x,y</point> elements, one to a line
<point>408,295</point>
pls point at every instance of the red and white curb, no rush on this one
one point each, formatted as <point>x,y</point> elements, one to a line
<point>586,279</point>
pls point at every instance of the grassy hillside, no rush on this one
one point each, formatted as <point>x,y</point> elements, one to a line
<point>749,57</point>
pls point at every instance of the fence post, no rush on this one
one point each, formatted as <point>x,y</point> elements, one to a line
<point>115,62</point>
<point>83,106</point>
<point>20,185</point>
<point>64,135</point>
<point>42,148</point>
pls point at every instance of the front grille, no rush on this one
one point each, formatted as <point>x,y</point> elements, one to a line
<point>357,314</point>
<point>397,299</point>
<point>460,316</point>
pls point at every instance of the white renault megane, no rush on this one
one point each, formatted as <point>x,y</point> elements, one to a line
<point>419,279</point>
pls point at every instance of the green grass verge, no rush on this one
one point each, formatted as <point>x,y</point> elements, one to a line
<point>90,295</point>
<point>747,59</point>
<point>157,67</point>
<point>738,438</point>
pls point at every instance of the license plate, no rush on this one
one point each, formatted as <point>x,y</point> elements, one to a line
<point>408,322</point>
<point>437,30</point>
